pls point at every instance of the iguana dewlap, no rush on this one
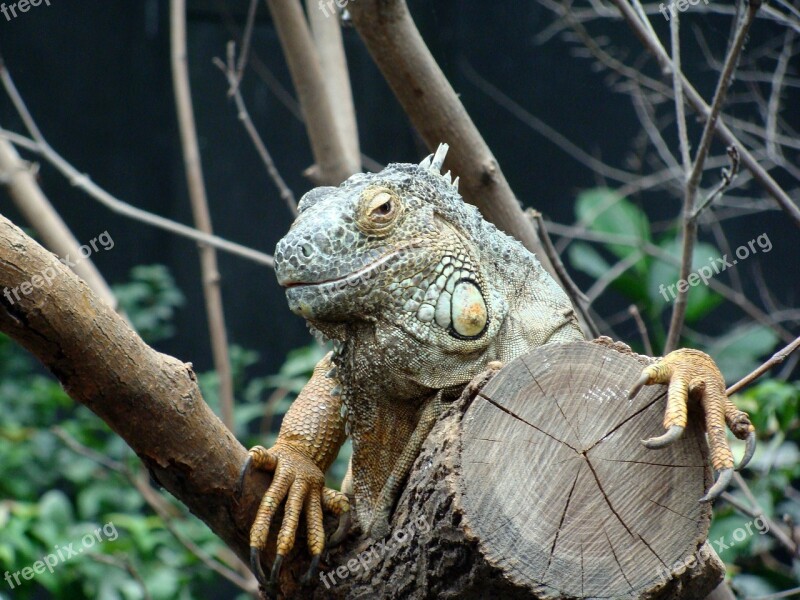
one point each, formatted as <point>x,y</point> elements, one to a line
<point>419,294</point>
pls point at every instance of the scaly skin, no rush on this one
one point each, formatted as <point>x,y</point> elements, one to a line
<point>419,294</point>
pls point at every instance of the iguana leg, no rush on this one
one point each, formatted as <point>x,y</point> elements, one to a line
<point>694,373</point>
<point>391,489</point>
<point>310,437</point>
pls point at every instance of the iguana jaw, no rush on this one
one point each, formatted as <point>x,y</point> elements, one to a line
<point>357,277</point>
<point>325,299</point>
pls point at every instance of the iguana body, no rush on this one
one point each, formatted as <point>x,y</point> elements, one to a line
<point>419,294</point>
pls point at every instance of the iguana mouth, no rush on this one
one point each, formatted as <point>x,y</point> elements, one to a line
<point>361,275</point>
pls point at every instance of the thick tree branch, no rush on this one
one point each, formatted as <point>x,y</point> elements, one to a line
<point>327,145</point>
<point>150,399</point>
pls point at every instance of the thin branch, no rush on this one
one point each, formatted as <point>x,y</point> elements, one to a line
<point>677,88</point>
<point>84,183</point>
<point>727,177</point>
<point>215,313</point>
<point>653,45</point>
<point>776,359</point>
<point>244,116</point>
<point>611,275</point>
<point>246,38</point>
<point>778,595</point>
<point>693,179</point>
<point>633,310</point>
<point>775,92</point>
<point>164,510</point>
<point>31,201</point>
<point>576,297</point>
<point>125,565</point>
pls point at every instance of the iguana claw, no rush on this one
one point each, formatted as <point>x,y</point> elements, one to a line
<point>345,520</point>
<point>312,570</point>
<point>275,574</point>
<point>693,374</point>
<point>242,473</point>
<point>675,432</point>
<point>255,565</point>
<point>721,484</point>
<point>749,450</point>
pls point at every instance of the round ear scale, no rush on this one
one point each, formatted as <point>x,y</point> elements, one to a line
<point>434,162</point>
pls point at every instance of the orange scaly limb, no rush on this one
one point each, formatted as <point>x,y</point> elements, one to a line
<point>311,434</point>
<point>693,373</point>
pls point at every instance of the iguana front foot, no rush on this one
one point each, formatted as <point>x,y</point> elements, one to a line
<point>301,482</point>
<point>691,372</point>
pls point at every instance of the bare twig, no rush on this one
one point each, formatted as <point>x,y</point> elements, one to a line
<point>677,88</point>
<point>653,45</point>
<point>244,116</point>
<point>778,595</point>
<point>84,183</point>
<point>36,208</point>
<point>246,37</point>
<point>126,565</point>
<point>633,310</point>
<point>165,511</point>
<point>215,313</point>
<point>578,298</point>
<point>776,359</point>
<point>726,179</point>
<point>693,179</point>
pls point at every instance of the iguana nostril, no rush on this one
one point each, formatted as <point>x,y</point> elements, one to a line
<point>307,250</point>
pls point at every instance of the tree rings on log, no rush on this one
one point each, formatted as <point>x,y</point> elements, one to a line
<point>559,492</point>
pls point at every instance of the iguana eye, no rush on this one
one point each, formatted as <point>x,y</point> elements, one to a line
<point>385,209</point>
<point>378,211</point>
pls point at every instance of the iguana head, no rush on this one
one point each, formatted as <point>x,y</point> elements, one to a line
<point>399,247</point>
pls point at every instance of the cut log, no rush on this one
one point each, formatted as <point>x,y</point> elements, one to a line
<point>538,487</point>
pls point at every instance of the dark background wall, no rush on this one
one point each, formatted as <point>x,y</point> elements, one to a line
<point>96,76</point>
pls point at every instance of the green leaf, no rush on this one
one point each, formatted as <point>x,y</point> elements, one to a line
<point>605,211</point>
<point>585,258</point>
<point>663,278</point>
<point>741,350</point>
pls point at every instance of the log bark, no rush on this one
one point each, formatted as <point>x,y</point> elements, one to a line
<point>539,488</point>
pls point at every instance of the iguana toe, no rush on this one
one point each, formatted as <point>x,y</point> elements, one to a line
<point>691,373</point>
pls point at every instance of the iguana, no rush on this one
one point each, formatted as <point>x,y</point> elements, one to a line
<point>419,294</point>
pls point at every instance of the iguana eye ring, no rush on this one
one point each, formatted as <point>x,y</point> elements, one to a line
<point>378,210</point>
